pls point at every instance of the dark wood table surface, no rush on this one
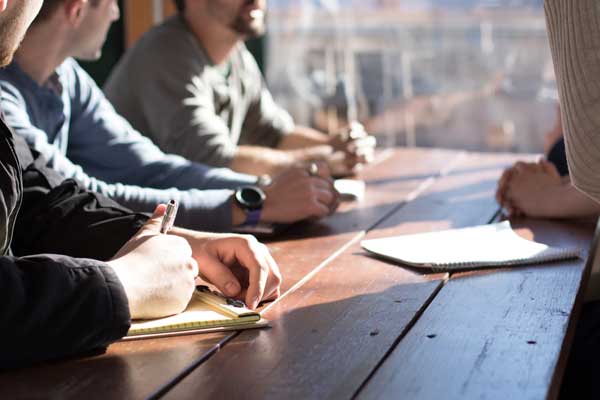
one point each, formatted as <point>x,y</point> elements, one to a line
<point>350,325</point>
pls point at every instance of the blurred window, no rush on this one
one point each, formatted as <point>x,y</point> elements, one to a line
<point>469,74</point>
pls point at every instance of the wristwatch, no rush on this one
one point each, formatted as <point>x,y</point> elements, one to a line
<point>250,199</point>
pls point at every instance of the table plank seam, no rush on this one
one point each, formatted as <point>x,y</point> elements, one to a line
<point>403,333</point>
<point>316,270</point>
<point>414,194</point>
<point>165,388</point>
<point>419,190</point>
<point>409,197</point>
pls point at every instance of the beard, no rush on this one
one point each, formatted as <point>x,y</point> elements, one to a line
<point>231,16</point>
<point>248,30</point>
<point>12,30</point>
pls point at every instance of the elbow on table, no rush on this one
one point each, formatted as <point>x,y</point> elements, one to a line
<point>582,181</point>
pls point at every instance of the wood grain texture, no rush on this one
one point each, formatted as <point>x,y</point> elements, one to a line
<point>463,197</point>
<point>327,337</point>
<point>138,18</point>
<point>129,370</point>
<point>495,334</point>
<point>332,332</point>
<point>390,183</point>
<point>138,369</point>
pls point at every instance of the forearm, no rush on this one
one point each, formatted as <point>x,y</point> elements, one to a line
<point>208,210</point>
<point>565,201</point>
<point>166,171</point>
<point>303,137</point>
<point>49,213</point>
<point>575,43</point>
<point>261,160</point>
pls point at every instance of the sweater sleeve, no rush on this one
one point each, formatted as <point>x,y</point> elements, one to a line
<point>574,31</point>
<point>208,210</point>
<point>116,152</point>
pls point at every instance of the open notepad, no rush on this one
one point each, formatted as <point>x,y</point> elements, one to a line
<point>469,248</point>
<point>207,311</point>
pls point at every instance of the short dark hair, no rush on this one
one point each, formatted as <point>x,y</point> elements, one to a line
<point>49,7</point>
<point>180,4</point>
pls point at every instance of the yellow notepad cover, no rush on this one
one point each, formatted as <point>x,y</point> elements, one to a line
<point>205,310</point>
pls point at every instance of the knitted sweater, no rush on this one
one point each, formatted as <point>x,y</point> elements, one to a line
<point>574,30</point>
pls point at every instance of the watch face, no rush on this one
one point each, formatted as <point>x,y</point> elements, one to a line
<point>250,197</point>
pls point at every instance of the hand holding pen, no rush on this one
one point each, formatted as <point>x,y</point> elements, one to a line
<point>157,271</point>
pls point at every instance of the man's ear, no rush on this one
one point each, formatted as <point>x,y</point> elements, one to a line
<point>74,10</point>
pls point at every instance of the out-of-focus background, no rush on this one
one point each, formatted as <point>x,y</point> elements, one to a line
<point>462,74</point>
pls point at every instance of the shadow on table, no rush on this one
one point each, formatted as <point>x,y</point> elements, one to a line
<point>342,340</point>
<point>462,171</point>
<point>129,370</point>
<point>465,200</point>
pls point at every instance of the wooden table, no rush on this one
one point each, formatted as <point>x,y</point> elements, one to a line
<point>349,325</point>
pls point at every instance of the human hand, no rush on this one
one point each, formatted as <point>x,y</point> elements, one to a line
<point>239,266</point>
<point>157,271</point>
<point>503,185</point>
<point>295,195</point>
<point>353,147</point>
<point>529,189</point>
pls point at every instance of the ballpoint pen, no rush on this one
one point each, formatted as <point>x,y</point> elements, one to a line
<point>169,217</point>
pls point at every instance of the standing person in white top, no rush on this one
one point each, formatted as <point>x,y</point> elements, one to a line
<point>574,32</point>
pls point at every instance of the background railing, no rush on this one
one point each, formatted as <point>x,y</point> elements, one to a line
<point>470,74</point>
<point>460,74</point>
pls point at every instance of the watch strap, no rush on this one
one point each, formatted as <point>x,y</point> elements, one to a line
<point>252,217</point>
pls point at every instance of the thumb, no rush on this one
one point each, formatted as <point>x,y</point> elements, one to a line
<point>549,168</point>
<point>152,226</point>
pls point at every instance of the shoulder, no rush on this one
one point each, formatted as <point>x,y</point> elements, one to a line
<point>80,86</point>
<point>17,91</point>
<point>70,72</point>
<point>171,40</point>
<point>167,54</point>
<point>13,83</point>
<point>10,73</point>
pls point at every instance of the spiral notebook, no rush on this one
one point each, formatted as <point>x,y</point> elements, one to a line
<point>207,311</point>
<point>493,245</point>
